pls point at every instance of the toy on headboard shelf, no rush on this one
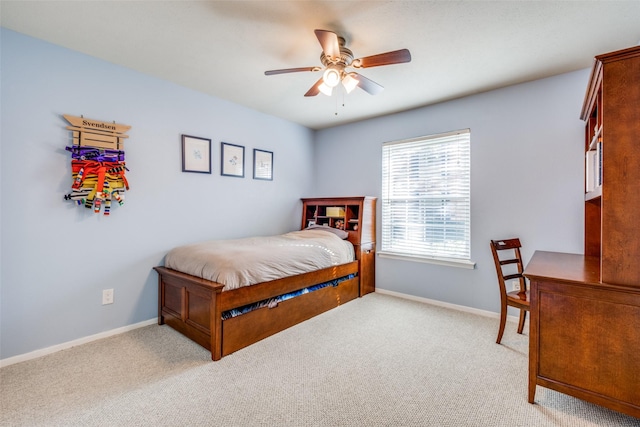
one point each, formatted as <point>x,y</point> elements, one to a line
<point>97,163</point>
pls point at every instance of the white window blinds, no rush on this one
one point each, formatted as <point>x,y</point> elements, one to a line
<point>426,196</point>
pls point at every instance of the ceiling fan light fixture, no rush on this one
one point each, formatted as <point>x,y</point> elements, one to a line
<point>336,58</point>
<point>331,77</point>
<point>349,82</point>
<point>326,89</point>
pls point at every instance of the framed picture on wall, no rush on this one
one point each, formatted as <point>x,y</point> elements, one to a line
<point>262,164</point>
<point>232,163</point>
<point>196,154</point>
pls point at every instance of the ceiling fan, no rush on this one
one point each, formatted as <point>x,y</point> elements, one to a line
<point>336,58</point>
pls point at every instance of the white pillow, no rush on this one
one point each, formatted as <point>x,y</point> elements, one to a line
<point>340,233</point>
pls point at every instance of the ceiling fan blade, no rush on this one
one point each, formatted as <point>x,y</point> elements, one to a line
<point>367,85</point>
<point>388,58</point>
<point>291,70</point>
<point>315,89</point>
<point>329,42</point>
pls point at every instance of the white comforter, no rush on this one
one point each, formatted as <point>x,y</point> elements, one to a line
<point>244,262</point>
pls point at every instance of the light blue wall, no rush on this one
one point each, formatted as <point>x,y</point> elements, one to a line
<point>56,257</point>
<point>526,178</point>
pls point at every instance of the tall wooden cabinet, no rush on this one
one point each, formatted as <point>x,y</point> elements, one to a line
<point>357,216</point>
<point>612,114</point>
<point>585,309</point>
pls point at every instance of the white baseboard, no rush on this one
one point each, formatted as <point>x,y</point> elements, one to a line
<point>55,348</point>
<point>447,305</point>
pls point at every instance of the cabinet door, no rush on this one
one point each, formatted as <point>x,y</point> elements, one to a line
<point>601,344</point>
<point>621,172</point>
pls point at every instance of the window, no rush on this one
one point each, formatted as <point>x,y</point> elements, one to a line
<point>426,197</point>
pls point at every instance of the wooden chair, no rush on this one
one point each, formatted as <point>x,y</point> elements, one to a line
<point>508,261</point>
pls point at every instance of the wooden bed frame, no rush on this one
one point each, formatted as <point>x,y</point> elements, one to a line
<point>194,306</point>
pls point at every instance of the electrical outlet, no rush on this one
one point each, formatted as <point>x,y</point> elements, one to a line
<point>107,296</point>
<point>515,285</point>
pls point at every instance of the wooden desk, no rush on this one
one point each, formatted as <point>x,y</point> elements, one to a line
<point>584,335</point>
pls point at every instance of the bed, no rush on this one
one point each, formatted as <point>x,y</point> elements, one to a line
<point>256,287</point>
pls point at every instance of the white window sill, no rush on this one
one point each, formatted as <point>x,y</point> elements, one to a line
<point>459,263</point>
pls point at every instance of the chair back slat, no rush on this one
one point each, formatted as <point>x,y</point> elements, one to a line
<point>506,244</point>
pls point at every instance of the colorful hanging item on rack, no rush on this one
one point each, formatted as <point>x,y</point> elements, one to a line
<point>97,163</point>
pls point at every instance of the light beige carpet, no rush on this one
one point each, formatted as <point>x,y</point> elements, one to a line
<point>376,361</point>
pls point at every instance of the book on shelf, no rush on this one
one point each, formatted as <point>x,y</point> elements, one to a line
<point>589,168</point>
<point>593,168</point>
<point>598,162</point>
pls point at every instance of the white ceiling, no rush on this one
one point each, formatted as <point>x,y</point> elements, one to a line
<point>223,47</point>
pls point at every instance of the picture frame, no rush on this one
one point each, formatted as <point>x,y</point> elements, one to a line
<point>196,154</point>
<point>262,164</point>
<point>231,160</point>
